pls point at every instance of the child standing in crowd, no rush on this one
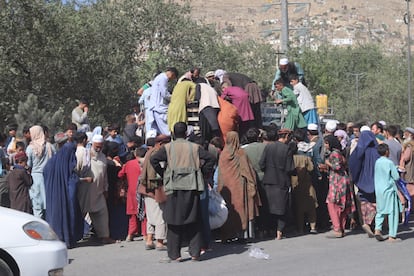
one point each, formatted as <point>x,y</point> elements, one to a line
<point>386,194</point>
<point>20,147</point>
<point>340,197</point>
<point>19,182</point>
<point>131,171</point>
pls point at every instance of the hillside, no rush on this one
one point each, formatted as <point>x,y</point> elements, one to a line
<point>337,22</point>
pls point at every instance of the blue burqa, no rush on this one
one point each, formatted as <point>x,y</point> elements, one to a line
<point>362,163</point>
<point>62,206</point>
<point>402,187</point>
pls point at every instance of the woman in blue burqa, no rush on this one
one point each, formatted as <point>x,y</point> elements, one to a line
<point>361,166</point>
<point>62,206</point>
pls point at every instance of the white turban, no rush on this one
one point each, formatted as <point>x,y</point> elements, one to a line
<point>97,138</point>
<point>313,127</point>
<point>283,61</point>
<point>330,126</point>
<point>365,128</point>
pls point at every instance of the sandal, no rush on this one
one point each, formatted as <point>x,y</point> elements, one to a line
<point>379,236</point>
<point>161,248</point>
<point>335,235</point>
<point>168,260</point>
<point>367,229</point>
<point>149,246</point>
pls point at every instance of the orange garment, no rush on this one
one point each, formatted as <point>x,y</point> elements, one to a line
<point>227,117</point>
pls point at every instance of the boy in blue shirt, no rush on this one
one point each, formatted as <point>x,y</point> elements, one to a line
<point>386,193</point>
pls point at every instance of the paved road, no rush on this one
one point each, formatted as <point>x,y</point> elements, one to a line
<point>355,254</point>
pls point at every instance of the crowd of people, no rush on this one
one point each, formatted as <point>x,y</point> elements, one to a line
<point>156,179</point>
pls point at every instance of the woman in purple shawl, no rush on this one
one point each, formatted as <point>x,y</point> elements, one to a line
<point>361,166</point>
<point>62,206</point>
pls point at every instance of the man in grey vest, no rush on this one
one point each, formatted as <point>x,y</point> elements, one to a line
<point>183,183</point>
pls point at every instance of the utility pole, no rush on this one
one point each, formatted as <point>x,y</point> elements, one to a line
<point>407,20</point>
<point>357,78</point>
<point>285,26</point>
<point>279,53</point>
<point>284,5</point>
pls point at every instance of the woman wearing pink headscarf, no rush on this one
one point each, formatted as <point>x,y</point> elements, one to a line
<point>342,137</point>
<point>39,151</point>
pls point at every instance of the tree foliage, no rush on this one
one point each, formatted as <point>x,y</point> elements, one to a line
<point>106,49</point>
<point>382,82</point>
<point>103,50</point>
<point>29,114</point>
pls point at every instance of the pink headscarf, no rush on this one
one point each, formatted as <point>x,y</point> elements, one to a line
<point>37,140</point>
<point>341,133</point>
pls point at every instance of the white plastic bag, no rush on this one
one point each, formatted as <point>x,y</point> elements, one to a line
<point>258,253</point>
<point>217,209</point>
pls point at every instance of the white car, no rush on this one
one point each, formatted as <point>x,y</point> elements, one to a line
<point>28,246</point>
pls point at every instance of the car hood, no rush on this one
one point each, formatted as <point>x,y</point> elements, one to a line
<point>11,228</point>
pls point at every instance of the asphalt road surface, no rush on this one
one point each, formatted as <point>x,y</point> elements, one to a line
<point>355,254</point>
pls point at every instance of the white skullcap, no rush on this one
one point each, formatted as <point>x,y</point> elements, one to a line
<point>97,138</point>
<point>410,130</point>
<point>210,74</point>
<point>330,126</point>
<point>283,61</point>
<point>383,123</point>
<point>365,128</point>
<point>312,127</point>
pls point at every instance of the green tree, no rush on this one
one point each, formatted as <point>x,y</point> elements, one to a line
<point>382,93</point>
<point>29,114</point>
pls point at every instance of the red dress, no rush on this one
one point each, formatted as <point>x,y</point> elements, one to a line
<point>131,170</point>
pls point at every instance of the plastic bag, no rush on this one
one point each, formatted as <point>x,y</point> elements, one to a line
<point>217,209</point>
<point>258,253</point>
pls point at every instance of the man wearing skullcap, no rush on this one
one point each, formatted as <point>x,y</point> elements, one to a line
<point>330,127</point>
<point>287,68</point>
<point>19,182</point>
<point>209,74</point>
<point>92,199</point>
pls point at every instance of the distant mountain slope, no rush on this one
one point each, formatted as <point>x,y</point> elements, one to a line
<point>346,22</point>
